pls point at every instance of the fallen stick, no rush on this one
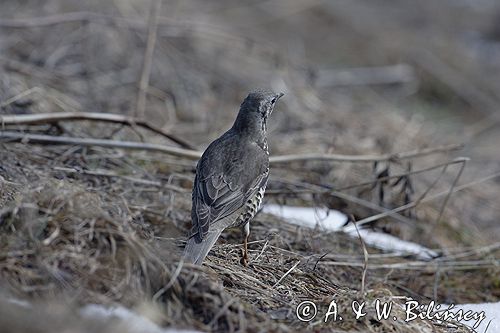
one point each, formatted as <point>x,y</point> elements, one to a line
<point>54,117</point>
<point>194,154</point>
<point>64,140</point>
<point>286,274</point>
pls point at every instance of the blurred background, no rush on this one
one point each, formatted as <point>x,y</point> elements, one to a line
<point>360,77</point>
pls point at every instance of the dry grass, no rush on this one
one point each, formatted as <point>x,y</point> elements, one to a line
<point>102,225</point>
<point>102,239</point>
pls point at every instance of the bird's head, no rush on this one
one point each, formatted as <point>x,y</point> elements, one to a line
<point>255,110</point>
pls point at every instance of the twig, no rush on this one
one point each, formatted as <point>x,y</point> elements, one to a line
<point>171,282</point>
<point>262,251</point>
<point>421,265</point>
<point>193,154</point>
<point>455,181</point>
<point>221,312</point>
<point>347,197</point>
<point>286,274</point>
<point>319,259</point>
<point>408,173</point>
<point>394,212</point>
<point>104,173</point>
<point>64,140</point>
<point>148,57</point>
<point>365,255</point>
<point>54,117</point>
<point>19,96</point>
<point>52,237</point>
<point>427,199</point>
<point>474,251</point>
<point>366,158</point>
<point>370,205</point>
<point>317,189</point>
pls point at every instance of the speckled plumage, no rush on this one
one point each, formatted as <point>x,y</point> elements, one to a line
<point>231,177</point>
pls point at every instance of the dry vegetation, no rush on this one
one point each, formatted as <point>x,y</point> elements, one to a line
<point>91,223</point>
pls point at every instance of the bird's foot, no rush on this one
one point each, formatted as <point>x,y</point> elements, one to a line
<point>244,258</point>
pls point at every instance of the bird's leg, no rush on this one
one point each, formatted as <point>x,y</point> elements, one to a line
<point>246,233</point>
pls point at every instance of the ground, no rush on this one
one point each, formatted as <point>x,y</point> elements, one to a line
<point>84,224</point>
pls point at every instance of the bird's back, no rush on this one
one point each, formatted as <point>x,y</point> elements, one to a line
<point>231,177</point>
<point>230,172</point>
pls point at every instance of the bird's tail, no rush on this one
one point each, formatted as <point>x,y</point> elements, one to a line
<point>195,252</point>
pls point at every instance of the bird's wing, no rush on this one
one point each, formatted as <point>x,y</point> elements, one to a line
<point>220,192</point>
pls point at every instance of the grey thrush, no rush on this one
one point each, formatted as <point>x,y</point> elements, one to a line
<point>231,178</point>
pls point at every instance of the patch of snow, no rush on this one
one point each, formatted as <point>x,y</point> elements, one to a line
<point>134,322</point>
<point>491,323</point>
<point>326,219</point>
<point>333,220</point>
<point>392,244</point>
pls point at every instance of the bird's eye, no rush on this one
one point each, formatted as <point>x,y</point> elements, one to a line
<point>273,101</point>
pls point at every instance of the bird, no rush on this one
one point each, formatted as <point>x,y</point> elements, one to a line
<point>231,178</point>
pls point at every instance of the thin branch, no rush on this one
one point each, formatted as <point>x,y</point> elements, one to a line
<point>222,311</point>
<point>422,265</point>
<point>436,180</point>
<point>148,57</point>
<point>193,154</point>
<point>19,96</point>
<point>366,158</point>
<point>54,117</point>
<point>370,205</point>
<point>286,274</point>
<point>64,140</point>
<point>170,283</point>
<point>365,203</point>
<point>317,189</point>
<point>104,173</point>
<point>262,251</point>
<point>447,198</point>
<point>427,199</point>
<point>365,256</point>
<point>408,173</point>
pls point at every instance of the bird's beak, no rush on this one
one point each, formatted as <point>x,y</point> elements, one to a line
<point>278,96</point>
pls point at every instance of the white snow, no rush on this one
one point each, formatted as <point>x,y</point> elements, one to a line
<point>133,321</point>
<point>392,244</point>
<point>328,220</point>
<point>333,220</point>
<point>491,323</point>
